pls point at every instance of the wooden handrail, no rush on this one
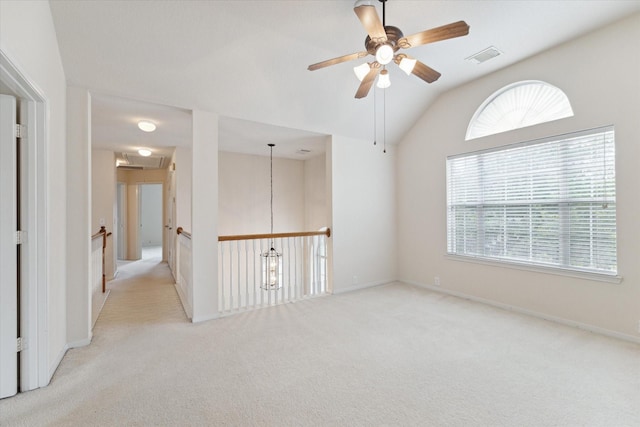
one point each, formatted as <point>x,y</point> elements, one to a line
<point>327,233</point>
<point>104,234</point>
<point>180,230</point>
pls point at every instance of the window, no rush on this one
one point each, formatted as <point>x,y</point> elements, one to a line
<point>519,105</point>
<point>548,202</point>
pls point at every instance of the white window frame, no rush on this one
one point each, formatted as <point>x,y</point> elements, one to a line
<point>518,105</point>
<point>479,202</point>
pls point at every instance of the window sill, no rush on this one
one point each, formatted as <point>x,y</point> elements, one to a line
<point>538,268</point>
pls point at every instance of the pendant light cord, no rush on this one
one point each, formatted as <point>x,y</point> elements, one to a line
<point>271,184</point>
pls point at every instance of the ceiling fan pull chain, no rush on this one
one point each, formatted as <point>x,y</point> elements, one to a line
<point>384,119</point>
<point>375,127</point>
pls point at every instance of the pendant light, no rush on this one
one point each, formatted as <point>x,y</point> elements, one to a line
<point>271,259</point>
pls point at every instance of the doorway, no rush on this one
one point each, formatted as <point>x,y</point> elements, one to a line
<point>151,227</point>
<point>27,261</point>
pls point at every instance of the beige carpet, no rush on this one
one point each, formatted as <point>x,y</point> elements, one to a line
<point>392,355</point>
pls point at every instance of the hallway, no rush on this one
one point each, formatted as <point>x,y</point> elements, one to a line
<point>126,340</point>
<point>142,292</point>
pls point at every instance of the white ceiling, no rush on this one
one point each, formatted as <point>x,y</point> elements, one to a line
<point>247,61</point>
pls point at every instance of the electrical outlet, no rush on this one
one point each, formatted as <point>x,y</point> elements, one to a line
<point>436,281</point>
<point>355,280</point>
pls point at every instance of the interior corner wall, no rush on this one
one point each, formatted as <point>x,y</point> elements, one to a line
<point>363,219</point>
<point>604,89</point>
<point>103,201</point>
<point>28,39</point>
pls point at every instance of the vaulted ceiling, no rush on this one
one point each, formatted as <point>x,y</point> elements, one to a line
<point>247,61</point>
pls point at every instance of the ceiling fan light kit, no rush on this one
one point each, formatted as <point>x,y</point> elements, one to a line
<point>384,54</point>
<point>383,42</point>
<point>362,70</point>
<point>383,80</point>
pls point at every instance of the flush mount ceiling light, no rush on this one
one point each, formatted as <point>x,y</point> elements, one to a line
<point>144,152</point>
<point>383,41</point>
<point>146,126</point>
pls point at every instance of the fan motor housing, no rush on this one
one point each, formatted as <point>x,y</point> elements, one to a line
<point>393,35</point>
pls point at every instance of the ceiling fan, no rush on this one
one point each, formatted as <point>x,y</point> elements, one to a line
<point>384,41</point>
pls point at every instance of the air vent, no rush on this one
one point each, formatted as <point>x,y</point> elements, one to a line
<point>125,167</point>
<point>484,55</point>
<point>141,162</point>
<point>303,151</point>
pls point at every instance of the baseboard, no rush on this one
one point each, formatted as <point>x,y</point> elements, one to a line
<point>80,343</point>
<point>532,313</point>
<point>205,318</point>
<point>104,301</point>
<point>54,366</point>
<point>183,299</point>
<point>361,286</point>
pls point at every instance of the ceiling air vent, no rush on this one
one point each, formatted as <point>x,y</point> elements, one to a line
<point>140,162</point>
<point>303,151</point>
<point>484,55</point>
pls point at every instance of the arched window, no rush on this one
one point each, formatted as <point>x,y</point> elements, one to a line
<point>519,105</point>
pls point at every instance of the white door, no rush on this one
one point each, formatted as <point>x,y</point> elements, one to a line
<point>8,250</point>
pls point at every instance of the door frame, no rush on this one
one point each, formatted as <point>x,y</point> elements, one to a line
<point>34,311</point>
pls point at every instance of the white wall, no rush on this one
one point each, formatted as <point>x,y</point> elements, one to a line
<point>204,216</point>
<point>151,215</point>
<point>315,193</point>
<point>362,199</point>
<point>103,199</point>
<point>183,180</point>
<point>28,38</point>
<point>78,216</point>
<point>244,194</point>
<point>600,74</point>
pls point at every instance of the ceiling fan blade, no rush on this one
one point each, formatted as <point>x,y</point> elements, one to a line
<point>425,72</point>
<point>449,31</point>
<point>368,80</point>
<point>337,60</point>
<point>371,22</point>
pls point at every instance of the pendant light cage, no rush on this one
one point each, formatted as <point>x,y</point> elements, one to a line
<point>271,270</point>
<point>271,260</point>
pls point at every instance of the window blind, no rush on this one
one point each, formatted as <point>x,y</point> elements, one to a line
<point>548,202</point>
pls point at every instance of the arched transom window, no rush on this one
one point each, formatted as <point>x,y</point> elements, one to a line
<point>519,105</point>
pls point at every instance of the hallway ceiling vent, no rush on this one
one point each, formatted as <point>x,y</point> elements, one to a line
<point>134,161</point>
